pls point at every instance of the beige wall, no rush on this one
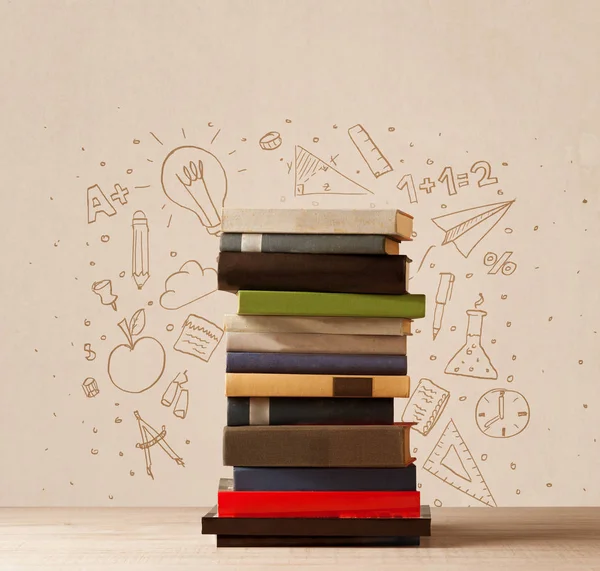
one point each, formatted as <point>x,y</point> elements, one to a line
<point>436,84</point>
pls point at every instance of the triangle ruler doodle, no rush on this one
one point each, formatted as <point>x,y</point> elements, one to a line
<point>466,228</point>
<point>452,462</point>
<point>314,176</point>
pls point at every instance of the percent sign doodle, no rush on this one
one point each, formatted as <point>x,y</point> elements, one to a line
<point>502,263</point>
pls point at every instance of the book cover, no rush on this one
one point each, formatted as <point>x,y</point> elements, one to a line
<point>351,386</point>
<point>307,272</point>
<point>244,411</point>
<point>313,363</point>
<point>409,306</point>
<point>318,446</point>
<point>309,243</point>
<point>393,223</point>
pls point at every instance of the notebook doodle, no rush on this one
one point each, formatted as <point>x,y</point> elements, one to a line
<point>425,406</point>
<point>199,337</point>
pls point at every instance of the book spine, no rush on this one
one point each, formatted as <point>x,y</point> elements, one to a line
<point>309,244</point>
<point>409,306</point>
<point>315,343</point>
<point>317,446</point>
<point>311,363</point>
<point>263,385</point>
<point>245,411</point>
<point>325,479</point>
<point>306,272</point>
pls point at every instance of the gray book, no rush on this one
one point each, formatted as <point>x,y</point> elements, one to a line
<point>309,243</point>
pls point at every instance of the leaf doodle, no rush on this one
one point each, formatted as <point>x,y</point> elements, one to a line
<point>138,322</point>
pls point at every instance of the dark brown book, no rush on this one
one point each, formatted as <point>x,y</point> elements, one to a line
<point>308,272</point>
<point>315,541</point>
<point>369,446</point>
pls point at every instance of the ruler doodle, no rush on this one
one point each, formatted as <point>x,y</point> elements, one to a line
<point>369,151</point>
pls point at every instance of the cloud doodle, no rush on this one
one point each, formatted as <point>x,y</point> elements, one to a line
<point>191,283</point>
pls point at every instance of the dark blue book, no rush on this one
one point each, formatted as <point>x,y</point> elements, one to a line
<point>325,479</point>
<point>316,364</point>
<point>277,411</point>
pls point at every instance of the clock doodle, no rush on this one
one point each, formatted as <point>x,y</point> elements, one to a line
<point>501,413</point>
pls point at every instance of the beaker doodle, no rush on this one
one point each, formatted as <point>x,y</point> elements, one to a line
<point>471,360</point>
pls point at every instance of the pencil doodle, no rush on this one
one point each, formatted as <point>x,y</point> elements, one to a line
<point>189,284</point>
<point>466,228</point>
<point>427,403</point>
<point>452,462</point>
<point>136,366</point>
<point>174,393</point>
<point>501,413</point>
<point>369,151</point>
<point>103,289</point>
<point>502,264</point>
<point>442,297</point>
<point>140,256</point>
<point>471,360</point>
<point>195,179</point>
<point>90,387</point>
<point>270,141</point>
<point>151,437</point>
<point>90,354</point>
<point>312,175</point>
<point>199,337</point>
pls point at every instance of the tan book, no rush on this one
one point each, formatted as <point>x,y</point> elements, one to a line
<point>323,325</point>
<point>283,385</point>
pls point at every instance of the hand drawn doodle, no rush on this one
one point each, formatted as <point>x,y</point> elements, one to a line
<point>486,178</point>
<point>135,367</point>
<point>199,337</point>
<point>369,151</point>
<point>501,413</point>
<point>98,202</point>
<point>503,263</point>
<point>452,462</point>
<point>421,262</point>
<point>270,141</point>
<point>447,176</point>
<point>178,395</point>
<point>442,297</point>
<point>191,283</point>
<point>151,437</point>
<point>103,289</point>
<point>90,387</point>
<point>195,179</point>
<point>471,360</point>
<point>91,355</point>
<point>140,255</point>
<point>427,403</point>
<point>466,228</point>
<point>314,176</point>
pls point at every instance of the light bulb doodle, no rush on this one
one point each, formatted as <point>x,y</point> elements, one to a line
<point>195,179</point>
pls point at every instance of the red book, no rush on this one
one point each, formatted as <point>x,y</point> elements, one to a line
<point>233,503</point>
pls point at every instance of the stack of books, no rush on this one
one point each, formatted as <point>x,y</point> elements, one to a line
<point>315,356</point>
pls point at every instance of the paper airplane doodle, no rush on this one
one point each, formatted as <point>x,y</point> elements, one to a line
<point>314,176</point>
<point>466,228</point>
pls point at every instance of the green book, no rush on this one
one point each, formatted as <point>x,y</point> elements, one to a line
<point>256,302</point>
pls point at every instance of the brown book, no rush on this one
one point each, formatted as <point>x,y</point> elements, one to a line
<point>367,446</point>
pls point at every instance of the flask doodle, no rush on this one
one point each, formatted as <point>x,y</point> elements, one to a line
<point>195,179</point>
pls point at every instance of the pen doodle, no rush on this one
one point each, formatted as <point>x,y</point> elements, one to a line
<point>270,141</point>
<point>471,360</point>
<point>503,264</point>
<point>136,366</point>
<point>140,255</point>
<point>91,354</point>
<point>369,151</point>
<point>452,462</point>
<point>312,175</point>
<point>466,228</point>
<point>174,393</point>
<point>151,437</point>
<point>427,402</point>
<point>90,387</point>
<point>442,297</point>
<point>98,202</point>
<point>195,179</point>
<point>191,283</point>
<point>199,337</point>
<point>103,289</point>
<point>501,413</point>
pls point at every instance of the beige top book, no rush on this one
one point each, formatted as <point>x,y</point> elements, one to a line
<point>394,223</point>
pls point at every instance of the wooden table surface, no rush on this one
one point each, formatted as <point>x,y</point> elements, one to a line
<point>511,539</point>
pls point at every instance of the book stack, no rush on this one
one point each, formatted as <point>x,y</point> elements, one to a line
<point>315,356</point>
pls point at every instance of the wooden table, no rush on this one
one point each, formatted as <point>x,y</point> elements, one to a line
<point>511,539</point>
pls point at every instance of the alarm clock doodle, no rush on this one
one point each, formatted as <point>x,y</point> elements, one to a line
<point>502,413</point>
